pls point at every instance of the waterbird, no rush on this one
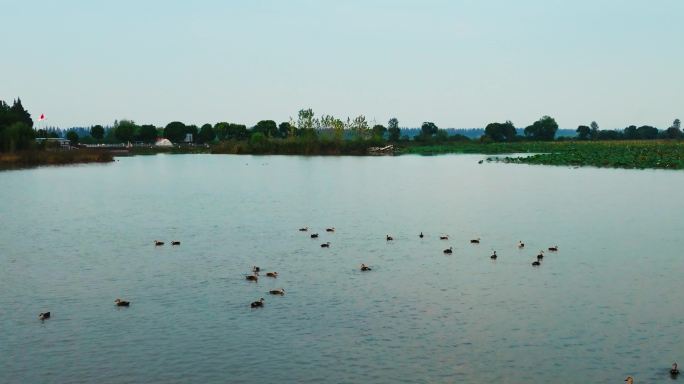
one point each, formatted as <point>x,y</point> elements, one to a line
<point>331,229</point>
<point>421,235</point>
<point>475,241</point>
<point>521,244</point>
<point>480,162</point>
<point>175,242</point>
<point>303,229</point>
<point>279,291</point>
<point>554,248</point>
<point>314,235</point>
<point>540,255</point>
<point>536,263</point>
<point>122,303</point>
<point>253,277</point>
<point>493,256</point>
<point>325,245</point>
<point>256,269</point>
<point>444,237</point>
<point>389,238</point>
<point>629,380</point>
<point>44,316</point>
<point>272,274</point>
<point>158,243</point>
<point>257,304</point>
<point>364,267</point>
<point>674,371</point>
<point>449,251</point>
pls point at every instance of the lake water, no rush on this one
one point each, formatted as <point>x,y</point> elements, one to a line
<point>73,239</point>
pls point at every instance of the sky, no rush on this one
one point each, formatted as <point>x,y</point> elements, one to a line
<point>457,63</point>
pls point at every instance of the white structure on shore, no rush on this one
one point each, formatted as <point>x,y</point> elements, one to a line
<point>163,143</point>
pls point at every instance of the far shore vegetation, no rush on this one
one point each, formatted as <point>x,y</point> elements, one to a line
<point>22,144</point>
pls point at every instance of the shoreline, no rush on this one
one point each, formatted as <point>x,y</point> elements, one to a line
<point>638,154</point>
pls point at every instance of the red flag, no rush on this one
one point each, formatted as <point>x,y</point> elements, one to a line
<point>42,117</point>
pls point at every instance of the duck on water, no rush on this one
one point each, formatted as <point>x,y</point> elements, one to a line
<point>252,277</point>
<point>257,304</point>
<point>122,303</point>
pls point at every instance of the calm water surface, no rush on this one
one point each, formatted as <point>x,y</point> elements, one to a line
<point>73,239</point>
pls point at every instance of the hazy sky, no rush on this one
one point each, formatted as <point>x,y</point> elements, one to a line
<point>455,62</point>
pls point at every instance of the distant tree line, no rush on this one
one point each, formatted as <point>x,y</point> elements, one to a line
<point>16,131</point>
<point>644,132</point>
<point>309,127</point>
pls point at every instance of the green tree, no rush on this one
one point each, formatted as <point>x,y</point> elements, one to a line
<point>147,133</point>
<point>379,131</point>
<point>594,134</point>
<point>542,129</point>
<point>583,132</point>
<point>97,132</point>
<point>674,132</point>
<point>630,133</point>
<point>428,129</point>
<point>193,130</point>
<point>501,131</point>
<point>21,114</point>
<point>17,136</point>
<point>221,130</point>
<point>286,129</point>
<point>393,129</point>
<point>175,131</point>
<point>646,132</point>
<point>206,134</point>
<point>72,136</point>
<point>230,131</point>
<point>360,127</point>
<point>267,127</point>
<point>305,119</point>
<point>124,130</point>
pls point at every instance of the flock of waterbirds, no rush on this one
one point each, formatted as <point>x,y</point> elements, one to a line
<point>254,276</point>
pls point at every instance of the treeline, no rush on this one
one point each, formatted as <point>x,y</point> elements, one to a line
<point>307,133</point>
<point>545,129</point>
<point>644,132</point>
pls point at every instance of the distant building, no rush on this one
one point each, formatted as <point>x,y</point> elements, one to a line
<point>63,143</point>
<point>188,137</point>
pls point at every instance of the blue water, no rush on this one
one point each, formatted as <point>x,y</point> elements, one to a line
<point>73,239</point>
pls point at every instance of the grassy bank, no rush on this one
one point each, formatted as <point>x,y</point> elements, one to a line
<point>659,154</point>
<point>34,158</point>
<point>475,147</point>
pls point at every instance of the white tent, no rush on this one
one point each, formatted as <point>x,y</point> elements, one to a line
<point>164,143</point>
